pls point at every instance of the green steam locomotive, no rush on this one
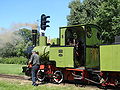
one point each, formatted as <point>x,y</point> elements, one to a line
<point>78,55</point>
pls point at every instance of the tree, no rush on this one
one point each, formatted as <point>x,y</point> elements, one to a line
<point>104,13</point>
<point>26,34</point>
<point>75,16</point>
<point>108,17</point>
<point>18,43</point>
<point>8,50</point>
<point>82,13</point>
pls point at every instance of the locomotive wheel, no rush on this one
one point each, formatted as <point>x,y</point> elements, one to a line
<point>58,77</point>
<point>40,76</point>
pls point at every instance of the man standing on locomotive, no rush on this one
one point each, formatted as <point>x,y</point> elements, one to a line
<point>34,60</point>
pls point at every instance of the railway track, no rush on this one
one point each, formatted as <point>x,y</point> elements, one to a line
<point>26,79</point>
<point>14,77</point>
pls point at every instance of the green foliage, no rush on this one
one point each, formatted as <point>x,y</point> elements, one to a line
<point>14,60</point>
<point>108,17</point>
<point>8,50</point>
<point>17,45</point>
<point>13,49</point>
<point>104,13</point>
<point>82,13</point>
<point>75,15</point>
<point>26,34</point>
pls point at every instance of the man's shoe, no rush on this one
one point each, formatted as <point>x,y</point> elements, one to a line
<point>35,84</point>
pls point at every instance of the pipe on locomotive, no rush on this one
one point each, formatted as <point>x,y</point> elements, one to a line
<point>42,39</point>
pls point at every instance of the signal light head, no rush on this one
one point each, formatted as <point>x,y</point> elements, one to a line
<point>44,21</point>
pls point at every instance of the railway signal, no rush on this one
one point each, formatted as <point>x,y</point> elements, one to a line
<point>44,22</point>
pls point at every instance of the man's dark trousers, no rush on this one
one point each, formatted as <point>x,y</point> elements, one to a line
<point>34,71</point>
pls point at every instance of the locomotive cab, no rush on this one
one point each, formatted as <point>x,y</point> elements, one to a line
<point>74,37</point>
<point>79,46</point>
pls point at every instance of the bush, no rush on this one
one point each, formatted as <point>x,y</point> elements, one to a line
<point>14,60</point>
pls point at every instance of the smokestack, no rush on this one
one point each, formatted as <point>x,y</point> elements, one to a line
<point>34,36</point>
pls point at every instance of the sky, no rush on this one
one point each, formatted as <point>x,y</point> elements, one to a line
<point>29,11</point>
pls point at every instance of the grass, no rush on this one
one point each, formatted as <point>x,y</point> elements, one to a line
<point>7,85</point>
<point>11,69</point>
